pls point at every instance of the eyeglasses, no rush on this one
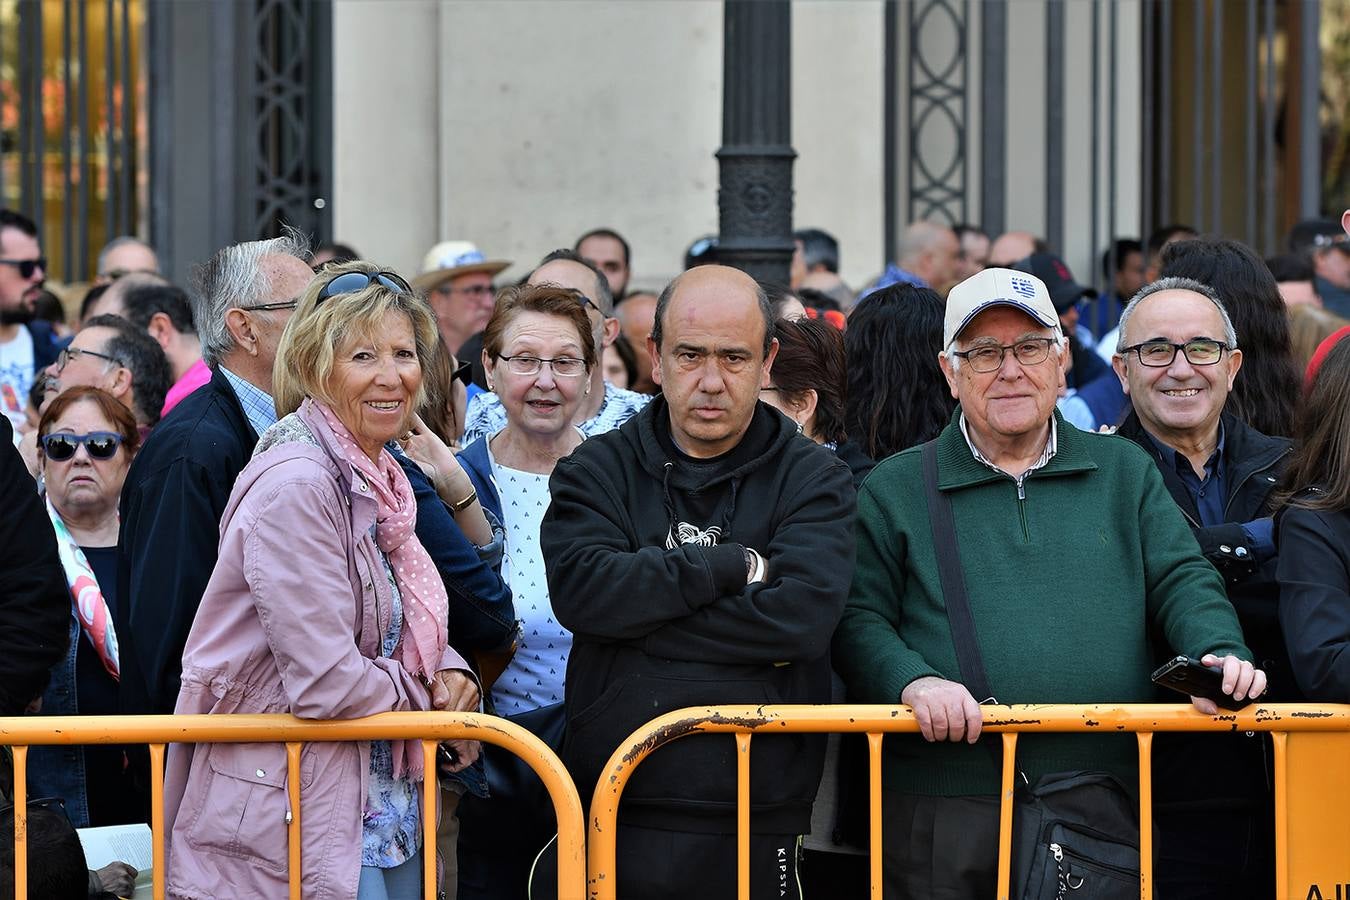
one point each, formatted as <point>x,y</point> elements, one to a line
<point>1159,354</point>
<point>562,366</point>
<point>61,446</point>
<point>464,372</point>
<point>70,354</point>
<point>280,304</point>
<point>1029,352</point>
<point>26,267</point>
<point>351,282</point>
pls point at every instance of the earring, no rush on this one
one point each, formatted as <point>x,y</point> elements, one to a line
<point>799,427</point>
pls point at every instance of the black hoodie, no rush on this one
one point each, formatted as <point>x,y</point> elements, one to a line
<point>644,552</point>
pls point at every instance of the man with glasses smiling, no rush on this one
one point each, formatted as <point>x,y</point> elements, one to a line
<point>1177,357</point>
<point>27,345</point>
<point>1029,500</point>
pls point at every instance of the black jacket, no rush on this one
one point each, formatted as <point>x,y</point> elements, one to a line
<point>34,598</point>
<point>645,560</point>
<point>1253,464</point>
<point>1314,576</point>
<point>1189,772</point>
<point>171,506</point>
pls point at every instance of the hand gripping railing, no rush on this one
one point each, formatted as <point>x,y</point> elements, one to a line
<point>1144,720</point>
<point>428,727</point>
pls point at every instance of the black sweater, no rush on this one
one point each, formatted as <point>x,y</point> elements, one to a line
<point>644,552</point>
<point>34,599</point>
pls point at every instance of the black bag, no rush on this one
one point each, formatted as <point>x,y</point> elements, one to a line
<point>1075,834</point>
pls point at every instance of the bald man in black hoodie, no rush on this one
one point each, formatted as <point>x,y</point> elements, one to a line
<point>701,555</point>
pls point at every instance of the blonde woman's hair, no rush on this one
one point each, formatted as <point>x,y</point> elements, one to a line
<point>318,329</point>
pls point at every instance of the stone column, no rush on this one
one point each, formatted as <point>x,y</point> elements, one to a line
<point>754,199</point>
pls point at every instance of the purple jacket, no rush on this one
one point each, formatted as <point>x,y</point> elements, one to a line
<point>290,622</point>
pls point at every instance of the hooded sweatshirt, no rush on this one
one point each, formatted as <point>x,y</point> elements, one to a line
<point>644,549</point>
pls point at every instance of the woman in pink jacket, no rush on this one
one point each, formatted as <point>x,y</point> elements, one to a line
<point>323,604</point>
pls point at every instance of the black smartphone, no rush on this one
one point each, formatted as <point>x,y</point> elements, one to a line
<point>1189,677</point>
<point>445,756</point>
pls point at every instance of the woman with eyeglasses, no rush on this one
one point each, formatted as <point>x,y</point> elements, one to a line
<point>86,440</point>
<point>323,604</point>
<point>538,350</point>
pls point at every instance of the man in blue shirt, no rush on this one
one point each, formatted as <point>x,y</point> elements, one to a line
<point>1178,361</point>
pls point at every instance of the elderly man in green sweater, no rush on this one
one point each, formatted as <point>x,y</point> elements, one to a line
<point>1071,549</point>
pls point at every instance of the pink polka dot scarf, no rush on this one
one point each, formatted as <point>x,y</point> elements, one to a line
<point>425,604</point>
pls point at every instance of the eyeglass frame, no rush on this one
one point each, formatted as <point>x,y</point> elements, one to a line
<point>1003,349</point>
<point>31,264</point>
<point>1136,350</point>
<point>268,307</point>
<point>66,354</point>
<point>541,360</point>
<point>80,440</point>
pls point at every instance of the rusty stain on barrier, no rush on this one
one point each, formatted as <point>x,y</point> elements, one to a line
<point>678,729</point>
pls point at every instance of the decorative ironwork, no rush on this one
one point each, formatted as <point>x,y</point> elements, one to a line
<point>938,74</point>
<point>280,164</point>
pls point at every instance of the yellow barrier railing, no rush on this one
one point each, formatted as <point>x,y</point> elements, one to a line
<point>1143,719</point>
<point>427,727</point>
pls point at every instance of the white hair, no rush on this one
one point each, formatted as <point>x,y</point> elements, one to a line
<point>233,277</point>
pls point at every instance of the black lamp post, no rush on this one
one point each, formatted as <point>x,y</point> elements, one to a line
<point>754,199</point>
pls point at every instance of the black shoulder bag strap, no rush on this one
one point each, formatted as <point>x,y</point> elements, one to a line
<point>953,580</point>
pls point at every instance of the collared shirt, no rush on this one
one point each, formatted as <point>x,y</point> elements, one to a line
<point>1208,493</point>
<point>257,403</point>
<point>487,416</point>
<point>1051,445</point>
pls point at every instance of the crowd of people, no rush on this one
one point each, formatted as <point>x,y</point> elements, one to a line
<point>309,484</point>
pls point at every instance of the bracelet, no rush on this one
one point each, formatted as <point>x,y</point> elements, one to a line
<point>464,504</point>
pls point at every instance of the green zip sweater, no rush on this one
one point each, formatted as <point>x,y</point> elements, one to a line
<point>1063,582</point>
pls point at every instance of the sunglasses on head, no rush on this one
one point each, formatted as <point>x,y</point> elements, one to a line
<point>61,446</point>
<point>351,282</point>
<point>26,267</point>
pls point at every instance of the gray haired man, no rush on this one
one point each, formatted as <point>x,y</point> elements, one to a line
<point>1178,358</point>
<point>181,479</point>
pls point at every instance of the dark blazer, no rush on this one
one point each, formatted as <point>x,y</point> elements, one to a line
<point>171,506</point>
<point>34,598</point>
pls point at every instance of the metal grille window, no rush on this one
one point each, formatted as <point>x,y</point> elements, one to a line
<point>71,85</point>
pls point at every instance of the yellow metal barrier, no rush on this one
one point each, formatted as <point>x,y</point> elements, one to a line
<point>1322,841</point>
<point>428,727</point>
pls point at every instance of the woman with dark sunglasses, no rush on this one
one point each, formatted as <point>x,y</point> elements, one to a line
<point>86,440</point>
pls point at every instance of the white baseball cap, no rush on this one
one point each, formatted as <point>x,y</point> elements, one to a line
<point>997,287</point>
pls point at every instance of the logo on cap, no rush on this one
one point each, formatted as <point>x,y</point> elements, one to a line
<point>1023,287</point>
<point>464,259</point>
